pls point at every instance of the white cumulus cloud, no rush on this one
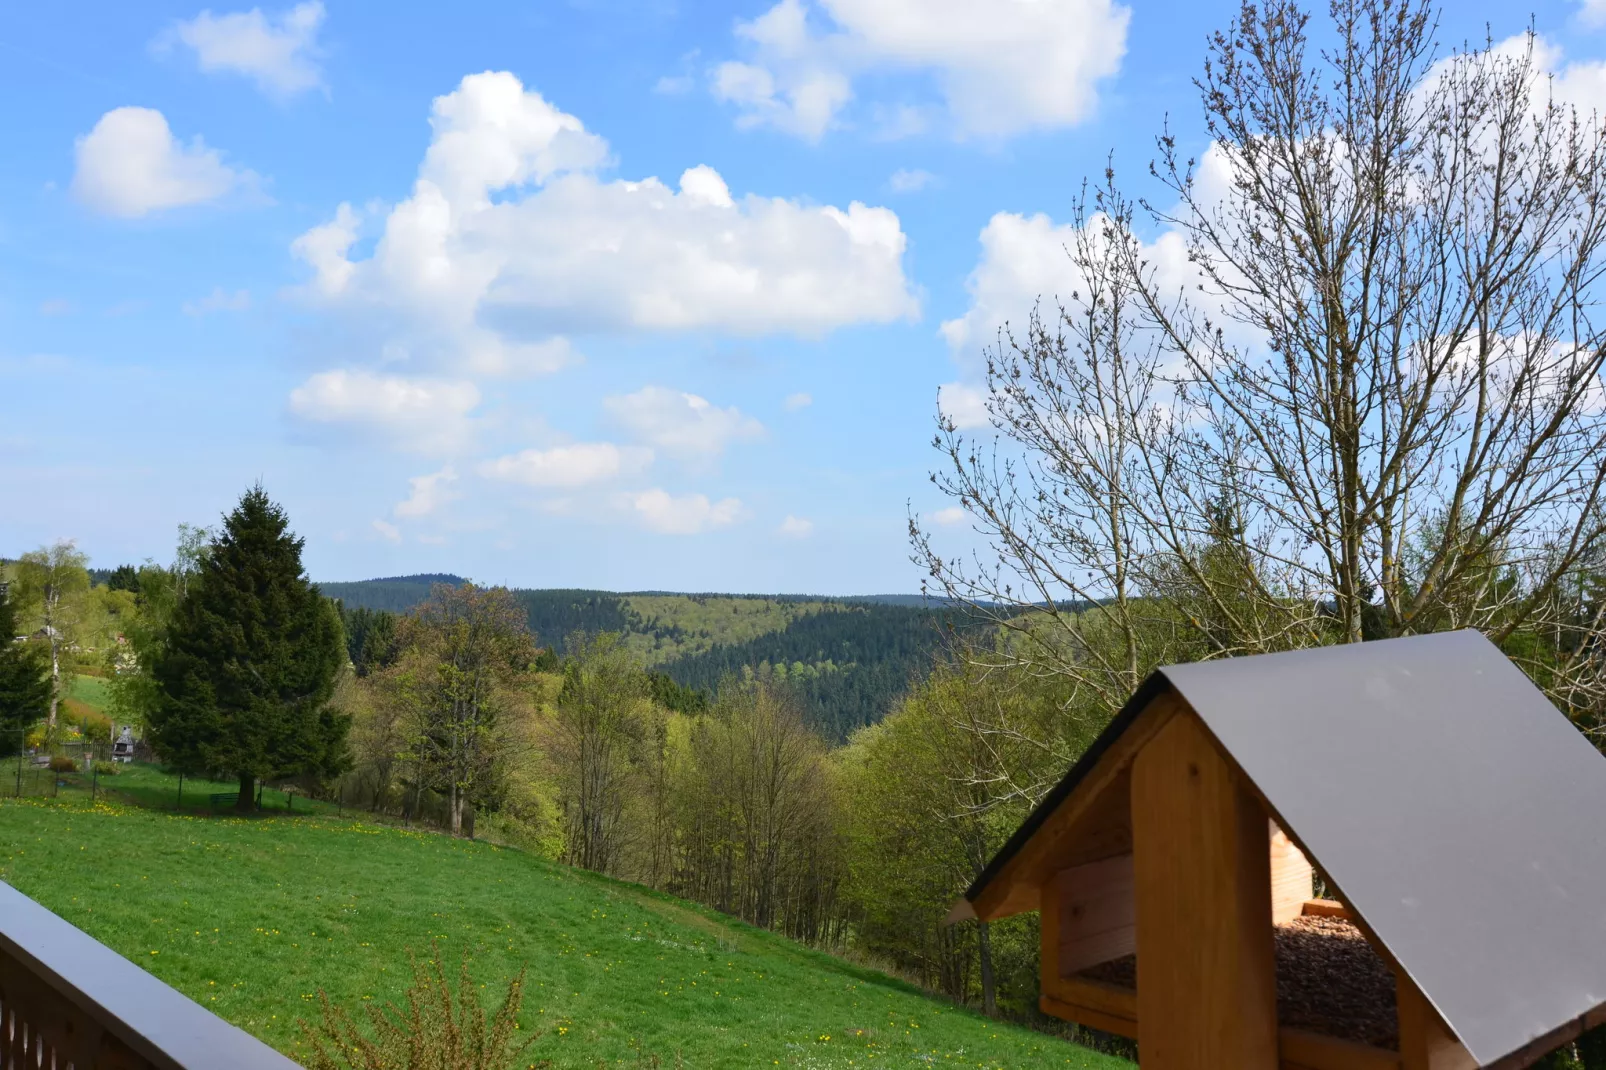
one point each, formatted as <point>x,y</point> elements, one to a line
<point>576,465</point>
<point>680,424</point>
<point>999,67</point>
<point>797,401</point>
<point>429,492</point>
<point>963,405</point>
<point>795,527</point>
<point>511,240</point>
<point>689,514</point>
<point>278,52</point>
<point>130,165</point>
<point>1026,260</point>
<point>425,415</point>
<point>947,517</point>
<point>387,531</point>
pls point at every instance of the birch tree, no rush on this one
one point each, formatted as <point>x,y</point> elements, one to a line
<point>51,583</point>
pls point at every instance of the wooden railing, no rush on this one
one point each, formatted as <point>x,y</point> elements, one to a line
<point>68,1001</point>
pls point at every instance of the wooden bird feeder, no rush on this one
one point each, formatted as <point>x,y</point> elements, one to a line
<point>1451,813</point>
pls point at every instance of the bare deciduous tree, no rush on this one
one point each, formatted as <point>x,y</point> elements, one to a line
<point>591,740</point>
<point>1366,400</point>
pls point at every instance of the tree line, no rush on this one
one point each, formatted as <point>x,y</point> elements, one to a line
<point>848,661</point>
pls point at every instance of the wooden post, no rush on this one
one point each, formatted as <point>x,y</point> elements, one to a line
<point>1426,1043</point>
<point>1207,978</point>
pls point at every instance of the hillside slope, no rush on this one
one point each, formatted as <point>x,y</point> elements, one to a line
<point>850,659</point>
<point>252,917</point>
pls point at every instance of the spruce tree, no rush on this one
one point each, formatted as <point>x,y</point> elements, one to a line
<point>250,661</point>
<point>24,681</point>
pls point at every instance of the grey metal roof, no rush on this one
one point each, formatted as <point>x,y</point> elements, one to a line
<point>1458,812</point>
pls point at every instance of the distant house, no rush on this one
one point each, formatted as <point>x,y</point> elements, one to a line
<point>1451,812</point>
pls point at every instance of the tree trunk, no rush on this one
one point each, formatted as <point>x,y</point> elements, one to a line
<point>55,684</point>
<point>457,811</point>
<point>989,995</point>
<point>247,800</point>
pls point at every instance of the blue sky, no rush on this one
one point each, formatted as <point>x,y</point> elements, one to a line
<point>602,293</point>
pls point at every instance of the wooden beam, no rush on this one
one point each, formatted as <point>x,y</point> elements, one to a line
<point>1300,1049</point>
<point>1113,1009</point>
<point>1207,992</point>
<point>1093,823</point>
<point>1324,908</point>
<point>1426,1043</point>
<point>1092,1003</point>
<point>1291,877</point>
<point>1100,995</point>
<point>1048,931</point>
<point>1088,1016</point>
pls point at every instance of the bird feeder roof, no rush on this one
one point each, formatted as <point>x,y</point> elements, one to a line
<point>1456,810</point>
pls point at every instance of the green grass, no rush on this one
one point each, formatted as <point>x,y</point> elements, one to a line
<point>148,787</point>
<point>253,916</point>
<point>91,691</point>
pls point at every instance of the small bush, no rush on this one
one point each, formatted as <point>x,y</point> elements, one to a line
<point>60,763</point>
<point>106,768</point>
<point>434,1032</point>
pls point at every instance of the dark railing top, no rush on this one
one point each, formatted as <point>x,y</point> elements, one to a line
<point>157,1021</point>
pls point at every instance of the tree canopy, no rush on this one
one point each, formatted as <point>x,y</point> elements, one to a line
<point>250,660</point>
<point>24,680</point>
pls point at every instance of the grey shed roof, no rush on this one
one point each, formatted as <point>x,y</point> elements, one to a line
<point>1458,812</point>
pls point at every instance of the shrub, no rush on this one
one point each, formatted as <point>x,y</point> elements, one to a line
<point>106,768</point>
<point>61,763</point>
<point>434,1032</point>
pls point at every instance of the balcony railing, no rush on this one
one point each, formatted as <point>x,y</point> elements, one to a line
<point>68,1001</point>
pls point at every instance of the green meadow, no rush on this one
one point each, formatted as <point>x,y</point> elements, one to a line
<point>253,916</point>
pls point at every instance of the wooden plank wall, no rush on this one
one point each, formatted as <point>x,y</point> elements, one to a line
<point>1292,879</point>
<point>1098,914</point>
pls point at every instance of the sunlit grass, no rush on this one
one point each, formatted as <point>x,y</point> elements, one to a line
<point>252,916</point>
<point>91,691</point>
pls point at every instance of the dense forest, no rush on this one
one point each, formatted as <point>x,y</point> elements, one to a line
<point>848,660</point>
<point>849,665</point>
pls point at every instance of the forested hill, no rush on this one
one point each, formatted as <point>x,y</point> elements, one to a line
<point>395,594</point>
<point>849,662</point>
<point>849,658</point>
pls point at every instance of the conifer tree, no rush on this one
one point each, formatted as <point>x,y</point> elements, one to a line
<point>24,681</point>
<point>250,661</point>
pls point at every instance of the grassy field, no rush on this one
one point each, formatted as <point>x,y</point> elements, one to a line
<point>253,916</point>
<point>91,691</point>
